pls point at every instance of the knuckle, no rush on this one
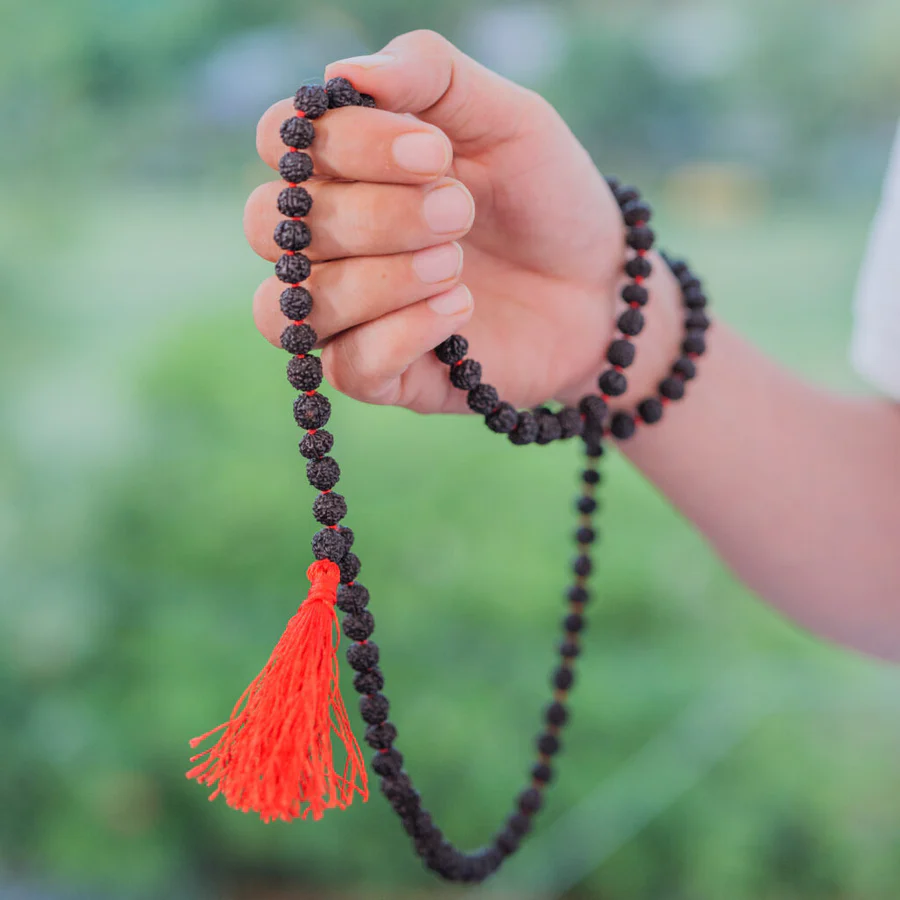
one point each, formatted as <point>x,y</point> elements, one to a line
<point>428,39</point>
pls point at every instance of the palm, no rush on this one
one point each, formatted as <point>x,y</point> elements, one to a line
<point>547,237</point>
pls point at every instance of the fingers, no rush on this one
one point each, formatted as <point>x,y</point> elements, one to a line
<point>350,292</point>
<point>362,145</point>
<point>423,73</point>
<point>358,219</point>
<point>389,360</point>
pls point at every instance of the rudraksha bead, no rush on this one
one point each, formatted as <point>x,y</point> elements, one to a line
<point>548,744</point>
<point>636,211</point>
<point>621,426</point>
<point>312,411</point>
<point>569,650</point>
<point>586,504</point>
<point>311,100</point>
<point>367,100</point>
<point>585,535</point>
<point>380,737</point>
<point>685,367</point>
<point>341,93</point>
<point>293,268</point>
<point>349,566</point>
<point>542,772</point>
<point>329,508</point>
<point>453,350</point>
<point>292,234</point>
<point>294,201</point>
<point>594,409</point>
<point>297,131</point>
<point>328,544</point>
<point>570,423</point>
<point>519,823</point>
<point>374,708</point>
<point>613,383</point>
<point>503,419</point>
<point>317,444</point>
<point>563,678</point>
<point>650,410</point>
<point>387,764</point>
<point>298,339</point>
<point>530,801</point>
<point>358,626</point>
<point>695,342</point>
<point>672,388</point>
<point>582,566</point>
<point>635,293</point>
<point>577,594</point>
<point>323,474</point>
<point>640,237</point>
<point>526,430</point>
<point>638,267</point>
<point>295,166</point>
<point>466,374</point>
<point>556,714</point>
<point>631,322</point>
<point>304,372</point>
<point>573,623</point>
<point>483,398</point>
<point>549,429</point>
<point>621,353</point>
<point>352,598</point>
<point>590,476</point>
<point>363,657</point>
<point>368,682</point>
<point>296,302</point>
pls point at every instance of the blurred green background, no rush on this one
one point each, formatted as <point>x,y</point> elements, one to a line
<point>154,516</point>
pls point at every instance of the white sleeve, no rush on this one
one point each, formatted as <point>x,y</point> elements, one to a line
<point>875,348</point>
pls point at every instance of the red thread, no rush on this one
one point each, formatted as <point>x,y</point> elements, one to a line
<point>275,755</point>
<point>638,279</point>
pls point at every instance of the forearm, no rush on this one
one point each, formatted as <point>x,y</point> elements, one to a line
<point>798,489</point>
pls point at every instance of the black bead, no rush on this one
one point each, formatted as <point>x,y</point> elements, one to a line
<point>586,504</point>
<point>294,201</point>
<point>631,322</point>
<point>387,764</point>
<point>529,801</point>
<point>323,474</point>
<point>370,682</point>
<point>341,93</point>
<point>349,566</point>
<point>694,298</point>
<point>452,350</point>
<point>556,714</point>
<point>621,353</point>
<point>672,388</point>
<point>582,566</point>
<point>548,744</point>
<point>638,267</point>
<point>519,823</point>
<point>327,543</point>
<point>678,266</point>
<point>585,535</point>
<point>570,422</point>
<point>542,772</point>
<point>626,194</point>
<point>695,342</point>
<point>573,623</point>
<point>635,293</point>
<point>400,794</point>
<point>622,426</point>
<point>348,535</point>
<point>311,100</point>
<point>594,409</point>
<point>315,445</point>
<point>507,842</point>
<point>304,372</point>
<point>613,182</point>
<point>650,410</point>
<point>577,594</point>
<point>295,166</point>
<point>380,737</point>
<point>298,339</point>
<point>640,237</point>
<point>367,100</point>
<point>374,708</point>
<point>569,650</point>
<point>297,131</point>
<point>526,430</point>
<point>358,626</point>
<point>292,234</point>
<point>636,211</point>
<point>590,476</point>
<point>352,598</point>
<point>685,367</point>
<point>329,508</point>
<point>312,411</point>
<point>563,678</point>
<point>689,282</point>
<point>697,319</point>
<point>549,429</point>
<point>292,269</point>
<point>613,383</point>
<point>503,419</point>
<point>466,374</point>
<point>296,303</point>
<point>362,657</point>
<point>483,398</point>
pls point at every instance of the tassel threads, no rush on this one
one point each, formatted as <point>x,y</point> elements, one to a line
<point>274,756</point>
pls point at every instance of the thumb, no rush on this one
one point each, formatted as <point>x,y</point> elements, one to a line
<point>424,74</point>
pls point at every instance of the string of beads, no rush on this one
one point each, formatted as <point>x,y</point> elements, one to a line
<point>591,421</point>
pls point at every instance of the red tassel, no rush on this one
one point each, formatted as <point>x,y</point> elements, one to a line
<point>275,756</point>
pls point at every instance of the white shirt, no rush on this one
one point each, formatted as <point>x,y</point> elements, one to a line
<point>875,348</point>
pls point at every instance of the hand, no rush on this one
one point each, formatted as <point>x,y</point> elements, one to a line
<point>456,164</point>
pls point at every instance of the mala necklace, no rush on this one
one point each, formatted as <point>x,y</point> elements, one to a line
<point>274,755</point>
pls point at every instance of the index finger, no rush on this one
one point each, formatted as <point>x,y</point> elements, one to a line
<point>360,144</point>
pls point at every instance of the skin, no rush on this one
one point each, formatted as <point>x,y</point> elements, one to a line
<point>797,489</point>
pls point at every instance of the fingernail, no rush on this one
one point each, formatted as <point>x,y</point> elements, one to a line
<point>438,263</point>
<point>454,301</point>
<point>448,209</point>
<point>422,152</point>
<point>373,61</point>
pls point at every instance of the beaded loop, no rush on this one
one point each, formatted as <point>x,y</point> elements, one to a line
<point>591,421</point>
